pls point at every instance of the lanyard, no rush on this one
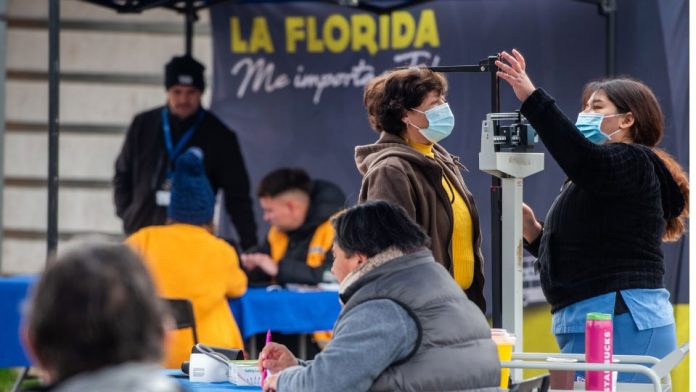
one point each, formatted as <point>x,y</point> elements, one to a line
<point>175,151</point>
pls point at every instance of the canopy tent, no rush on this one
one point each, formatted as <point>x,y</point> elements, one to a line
<point>184,6</point>
<point>189,9</point>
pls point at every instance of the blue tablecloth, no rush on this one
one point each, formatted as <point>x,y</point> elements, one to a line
<point>257,311</point>
<point>12,293</point>
<point>285,311</point>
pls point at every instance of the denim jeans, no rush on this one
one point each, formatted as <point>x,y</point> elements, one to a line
<point>628,340</point>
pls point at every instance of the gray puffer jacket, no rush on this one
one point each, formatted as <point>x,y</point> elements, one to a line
<point>454,350</point>
<point>127,377</point>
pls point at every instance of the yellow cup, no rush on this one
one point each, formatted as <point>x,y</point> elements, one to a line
<point>504,341</point>
<point>504,354</point>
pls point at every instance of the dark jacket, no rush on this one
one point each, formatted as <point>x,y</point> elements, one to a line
<point>603,232</point>
<point>395,172</point>
<point>304,248</point>
<point>143,162</point>
<point>445,358</point>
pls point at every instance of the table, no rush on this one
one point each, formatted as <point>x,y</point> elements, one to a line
<point>208,386</point>
<point>258,310</point>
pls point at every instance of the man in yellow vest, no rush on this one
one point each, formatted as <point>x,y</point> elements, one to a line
<point>297,248</point>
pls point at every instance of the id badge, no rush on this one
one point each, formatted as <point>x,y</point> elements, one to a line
<point>162,198</point>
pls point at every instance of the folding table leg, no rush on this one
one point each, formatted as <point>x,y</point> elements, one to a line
<point>18,382</point>
<point>302,345</point>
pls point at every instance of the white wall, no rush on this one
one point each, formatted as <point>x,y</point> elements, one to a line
<point>100,44</point>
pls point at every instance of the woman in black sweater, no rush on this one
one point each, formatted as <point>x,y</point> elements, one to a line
<point>599,248</point>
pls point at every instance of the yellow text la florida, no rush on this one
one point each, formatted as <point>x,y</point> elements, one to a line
<point>338,33</point>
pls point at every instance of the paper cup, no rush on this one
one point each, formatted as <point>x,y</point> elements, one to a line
<point>505,342</point>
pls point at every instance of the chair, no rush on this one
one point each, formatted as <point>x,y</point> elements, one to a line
<point>182,311</point>
<point>536,384</point>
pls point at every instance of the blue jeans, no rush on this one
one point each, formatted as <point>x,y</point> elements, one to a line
<point>628,340</point>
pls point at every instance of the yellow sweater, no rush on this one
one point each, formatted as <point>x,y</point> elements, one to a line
<point>187,261</point>
<point>462,245</point>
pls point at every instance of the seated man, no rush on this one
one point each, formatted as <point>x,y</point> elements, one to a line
<point>405,324</point>
<point>94,323</point>
<point>187,261</point>
<point>297,247</point>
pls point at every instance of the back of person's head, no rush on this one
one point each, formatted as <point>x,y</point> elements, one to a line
<point>184,71</point>
<point>94,306</point>
<point>284,180</point>
<point>632,96</point>
<point>388,96</point>
<point>373,227</point>
<point>192,199</point>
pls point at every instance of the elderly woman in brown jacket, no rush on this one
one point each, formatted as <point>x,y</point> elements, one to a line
<point>407,166</point>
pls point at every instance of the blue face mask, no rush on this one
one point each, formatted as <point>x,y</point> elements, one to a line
<point>440,122</point>
<point>590,125</point>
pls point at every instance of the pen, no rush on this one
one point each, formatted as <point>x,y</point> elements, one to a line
<point>264,372</point>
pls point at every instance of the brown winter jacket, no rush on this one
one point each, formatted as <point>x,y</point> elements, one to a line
<point>394,171</point>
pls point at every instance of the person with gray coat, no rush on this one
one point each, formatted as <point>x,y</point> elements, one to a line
<point>405,324</point>
<point>94,322</point>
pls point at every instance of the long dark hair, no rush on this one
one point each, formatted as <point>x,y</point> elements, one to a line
<point>629,95</point>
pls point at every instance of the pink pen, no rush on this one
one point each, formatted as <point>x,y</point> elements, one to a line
<point>264,372</point>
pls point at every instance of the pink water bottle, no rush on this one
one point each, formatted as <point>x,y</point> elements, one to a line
<point>599,348</point>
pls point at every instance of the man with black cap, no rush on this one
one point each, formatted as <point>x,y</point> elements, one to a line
<point>155,139</point>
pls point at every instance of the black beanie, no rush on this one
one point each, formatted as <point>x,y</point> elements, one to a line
<point>185,71</point>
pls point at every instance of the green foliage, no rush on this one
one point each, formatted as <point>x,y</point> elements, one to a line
<point>7,378</point>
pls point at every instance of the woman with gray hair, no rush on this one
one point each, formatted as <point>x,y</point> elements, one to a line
<point>405,324</point>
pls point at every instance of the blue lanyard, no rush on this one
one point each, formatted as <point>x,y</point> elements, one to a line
<point>175,151</point>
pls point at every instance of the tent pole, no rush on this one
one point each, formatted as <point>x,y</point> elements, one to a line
<point>3,95</point>
<point>609,11</point>
<point>53,121</point>
<point>607,8</point>
<point>190,19</point>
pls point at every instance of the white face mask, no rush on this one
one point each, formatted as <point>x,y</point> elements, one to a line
<point>440,122</point>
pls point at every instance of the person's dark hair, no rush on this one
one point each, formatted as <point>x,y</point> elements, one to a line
<point>629,95</point>
<point>284,180</point>
<point>388,96</point>
<point>374,226</point>
<point>95,306</point>
<point>372,97</point>
<point>676,226</point>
